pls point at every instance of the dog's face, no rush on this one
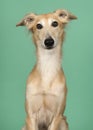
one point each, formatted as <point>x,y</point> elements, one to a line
<point>47,29</point>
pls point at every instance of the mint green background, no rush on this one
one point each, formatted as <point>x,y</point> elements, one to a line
<point>17,57</point>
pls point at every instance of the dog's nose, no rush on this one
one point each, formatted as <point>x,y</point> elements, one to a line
<point>49,42</point>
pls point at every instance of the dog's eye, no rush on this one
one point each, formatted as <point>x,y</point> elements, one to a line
<point>55,24</point>
<point>39,26</point>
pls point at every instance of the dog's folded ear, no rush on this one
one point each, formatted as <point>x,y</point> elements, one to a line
<point>64,16</point>
<point>27,21</point>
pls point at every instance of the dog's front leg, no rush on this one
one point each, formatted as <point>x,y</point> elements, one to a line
<point>59,123</point>
<point>30,123</point>
<point>30,119</point>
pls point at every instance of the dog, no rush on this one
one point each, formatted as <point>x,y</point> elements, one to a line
<point>46,85</point>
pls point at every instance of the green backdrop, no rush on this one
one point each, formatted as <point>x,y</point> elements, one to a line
<point>17,57</point>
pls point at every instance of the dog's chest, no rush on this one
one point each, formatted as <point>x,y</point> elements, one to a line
<point>45,89</point>
<point>45,96</point>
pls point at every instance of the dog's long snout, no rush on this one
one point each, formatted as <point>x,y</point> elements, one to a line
<point>49,42</point>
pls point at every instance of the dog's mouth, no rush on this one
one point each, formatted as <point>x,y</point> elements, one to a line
<point>50,47</point>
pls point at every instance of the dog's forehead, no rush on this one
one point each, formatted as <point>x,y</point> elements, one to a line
<point>46,19</point>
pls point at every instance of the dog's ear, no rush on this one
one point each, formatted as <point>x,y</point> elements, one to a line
<point>28,21</point>
<point>64,16</point>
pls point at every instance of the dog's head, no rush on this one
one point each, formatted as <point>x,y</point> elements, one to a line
<point>47,29</point>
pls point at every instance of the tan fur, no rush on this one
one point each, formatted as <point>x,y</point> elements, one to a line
<point>46,86</point>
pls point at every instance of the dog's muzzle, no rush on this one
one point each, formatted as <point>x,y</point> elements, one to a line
<point>49,43</point>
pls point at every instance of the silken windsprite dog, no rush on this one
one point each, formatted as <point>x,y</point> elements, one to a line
<point>46,86</point>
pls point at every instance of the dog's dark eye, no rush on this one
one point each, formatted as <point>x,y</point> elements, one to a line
<point>55,24</point>
<point>39,26</point>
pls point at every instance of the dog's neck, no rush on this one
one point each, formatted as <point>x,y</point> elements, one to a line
<point>48,62</point>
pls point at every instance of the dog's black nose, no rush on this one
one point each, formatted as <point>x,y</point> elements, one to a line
<point>49,42</point>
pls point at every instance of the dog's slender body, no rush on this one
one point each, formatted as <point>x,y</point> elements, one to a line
<point>46,86</point>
